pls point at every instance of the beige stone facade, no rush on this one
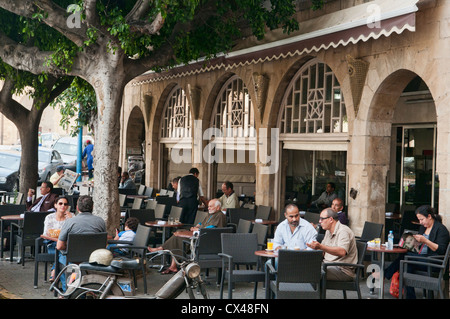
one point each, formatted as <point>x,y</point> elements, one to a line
<point>374,109</point>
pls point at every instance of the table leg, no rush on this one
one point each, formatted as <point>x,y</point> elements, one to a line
<point>381,280</point>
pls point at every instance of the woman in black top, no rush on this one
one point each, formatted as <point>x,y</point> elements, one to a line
<point>433,237</point>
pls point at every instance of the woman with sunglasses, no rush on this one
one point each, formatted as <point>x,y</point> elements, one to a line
<point>53,223</point>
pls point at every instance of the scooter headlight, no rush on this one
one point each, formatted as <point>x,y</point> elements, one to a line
<point>193,270</point>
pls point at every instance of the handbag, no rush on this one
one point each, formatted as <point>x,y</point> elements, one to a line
<point>395,283</point>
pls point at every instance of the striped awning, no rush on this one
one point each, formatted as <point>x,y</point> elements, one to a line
<point>366,21</point>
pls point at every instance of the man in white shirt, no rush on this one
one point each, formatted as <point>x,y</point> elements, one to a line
<point>294,232</point>
<point>229,198</point>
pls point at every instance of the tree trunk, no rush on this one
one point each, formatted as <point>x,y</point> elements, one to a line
<point>29,157</point>
<point>108,83</point>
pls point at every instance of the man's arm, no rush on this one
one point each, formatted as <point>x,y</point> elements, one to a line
<point>61,245</point>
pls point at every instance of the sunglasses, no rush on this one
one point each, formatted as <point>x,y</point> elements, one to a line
<point>65,204</point>
<point>323,218</point>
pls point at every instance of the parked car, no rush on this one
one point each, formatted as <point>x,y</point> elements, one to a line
<point>48,139</point>
<point>9,170</point>
<point>48,161</point>
<point>68,148</point>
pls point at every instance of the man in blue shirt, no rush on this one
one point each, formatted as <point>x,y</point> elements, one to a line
<point>294,232</point>
<point>89,158</point>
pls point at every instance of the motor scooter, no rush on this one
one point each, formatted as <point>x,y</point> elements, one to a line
<point>92,281</point>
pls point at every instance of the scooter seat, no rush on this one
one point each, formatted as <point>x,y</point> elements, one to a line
<point>99,268</point>
<point>126,263</point>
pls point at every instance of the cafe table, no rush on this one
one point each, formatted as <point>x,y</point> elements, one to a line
<point>15,217</point>
<point>164,225</point>
<point>382,250</point>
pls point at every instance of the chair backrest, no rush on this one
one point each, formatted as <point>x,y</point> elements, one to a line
<point>141,189</point>
<point>143,215</point>
<point>33,223</point>
<point>210,240</point>
<point>122,199</point>
<point>170,193</point>
<point>261,231</point>
<point>159,211</point>
<point>199,217</point>
<point>20,198</point>
<point>57,191</point>
<point>80,246</point>
<point>151,204</point>
<point>241,246</point>
<point>12,209</point>
<point>371,230</point>
<point>361,247</point>
<point>244,226</point>
<point>312,217</point>
<point>142,236</point>
<point>128,191</point>
<point>263,212</point>
<point>296,266</point>
<point>175,212</point>
<point>137,203</point>
<point>163,191</point>
<point>148,191</point>
<point>234,214</point>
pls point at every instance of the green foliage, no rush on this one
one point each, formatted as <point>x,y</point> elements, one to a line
<point>78,101</point>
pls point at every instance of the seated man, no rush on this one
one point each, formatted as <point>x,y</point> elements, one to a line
<point>83,222</point>
<point>56,177</point>
<point>44,203</point>
<point>338,205</point>
<point>214,219</point>
<point>294,232</point>
<point>338,245</point>
<point>326,198</point>
<point>126,182</point>
<point>229,198</point>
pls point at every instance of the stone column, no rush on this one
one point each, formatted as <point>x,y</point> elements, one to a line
<point>368,162</point>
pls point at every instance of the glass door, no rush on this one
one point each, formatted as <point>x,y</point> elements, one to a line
<point>419,183</point>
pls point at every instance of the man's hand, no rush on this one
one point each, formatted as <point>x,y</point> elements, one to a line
<point>314,245</point>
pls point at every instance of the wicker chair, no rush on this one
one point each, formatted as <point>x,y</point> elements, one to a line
<point>298,275</point>
<point>346,285</point>
<point>239,248</point>
<point>432,279</point>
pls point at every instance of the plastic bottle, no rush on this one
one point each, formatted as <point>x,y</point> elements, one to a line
<point>390,240</point>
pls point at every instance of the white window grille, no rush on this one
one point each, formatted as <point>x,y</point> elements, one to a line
<point>313,102</point>
<point>176,121</point>
<point>233,110</point>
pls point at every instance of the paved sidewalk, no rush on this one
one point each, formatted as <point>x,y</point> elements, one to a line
<point>16,282</point>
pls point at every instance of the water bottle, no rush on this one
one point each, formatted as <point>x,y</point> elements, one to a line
<point>390,240</point>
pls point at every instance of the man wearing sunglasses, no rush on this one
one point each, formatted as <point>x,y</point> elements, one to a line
<point>338,245</point>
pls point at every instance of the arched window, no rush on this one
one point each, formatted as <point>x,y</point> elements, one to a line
<point>233,110</point>
<point>176,121</point>
<point>313,102</point>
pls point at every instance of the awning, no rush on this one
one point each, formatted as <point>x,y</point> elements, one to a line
<point>370,20</point>
<point>366,21</point>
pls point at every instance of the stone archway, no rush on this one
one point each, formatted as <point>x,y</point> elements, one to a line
<point>370,149</point>
<point>135,134</point>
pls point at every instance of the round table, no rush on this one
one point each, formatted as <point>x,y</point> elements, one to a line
<point>271,255</point>
<point>383,251</point>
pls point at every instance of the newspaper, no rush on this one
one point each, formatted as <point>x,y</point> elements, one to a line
<point>67,181</point>
<point>409,242</point>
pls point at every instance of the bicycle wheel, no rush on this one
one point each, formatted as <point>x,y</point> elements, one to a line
<point>88,291</point>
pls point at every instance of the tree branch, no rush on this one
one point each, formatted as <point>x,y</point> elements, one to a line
<point>24,58</point>
<point>140,9</point>
<point>56,17</point>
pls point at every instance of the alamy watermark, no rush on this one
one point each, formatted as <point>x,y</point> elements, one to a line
<point>223,148</point>
<point>74,19</point>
